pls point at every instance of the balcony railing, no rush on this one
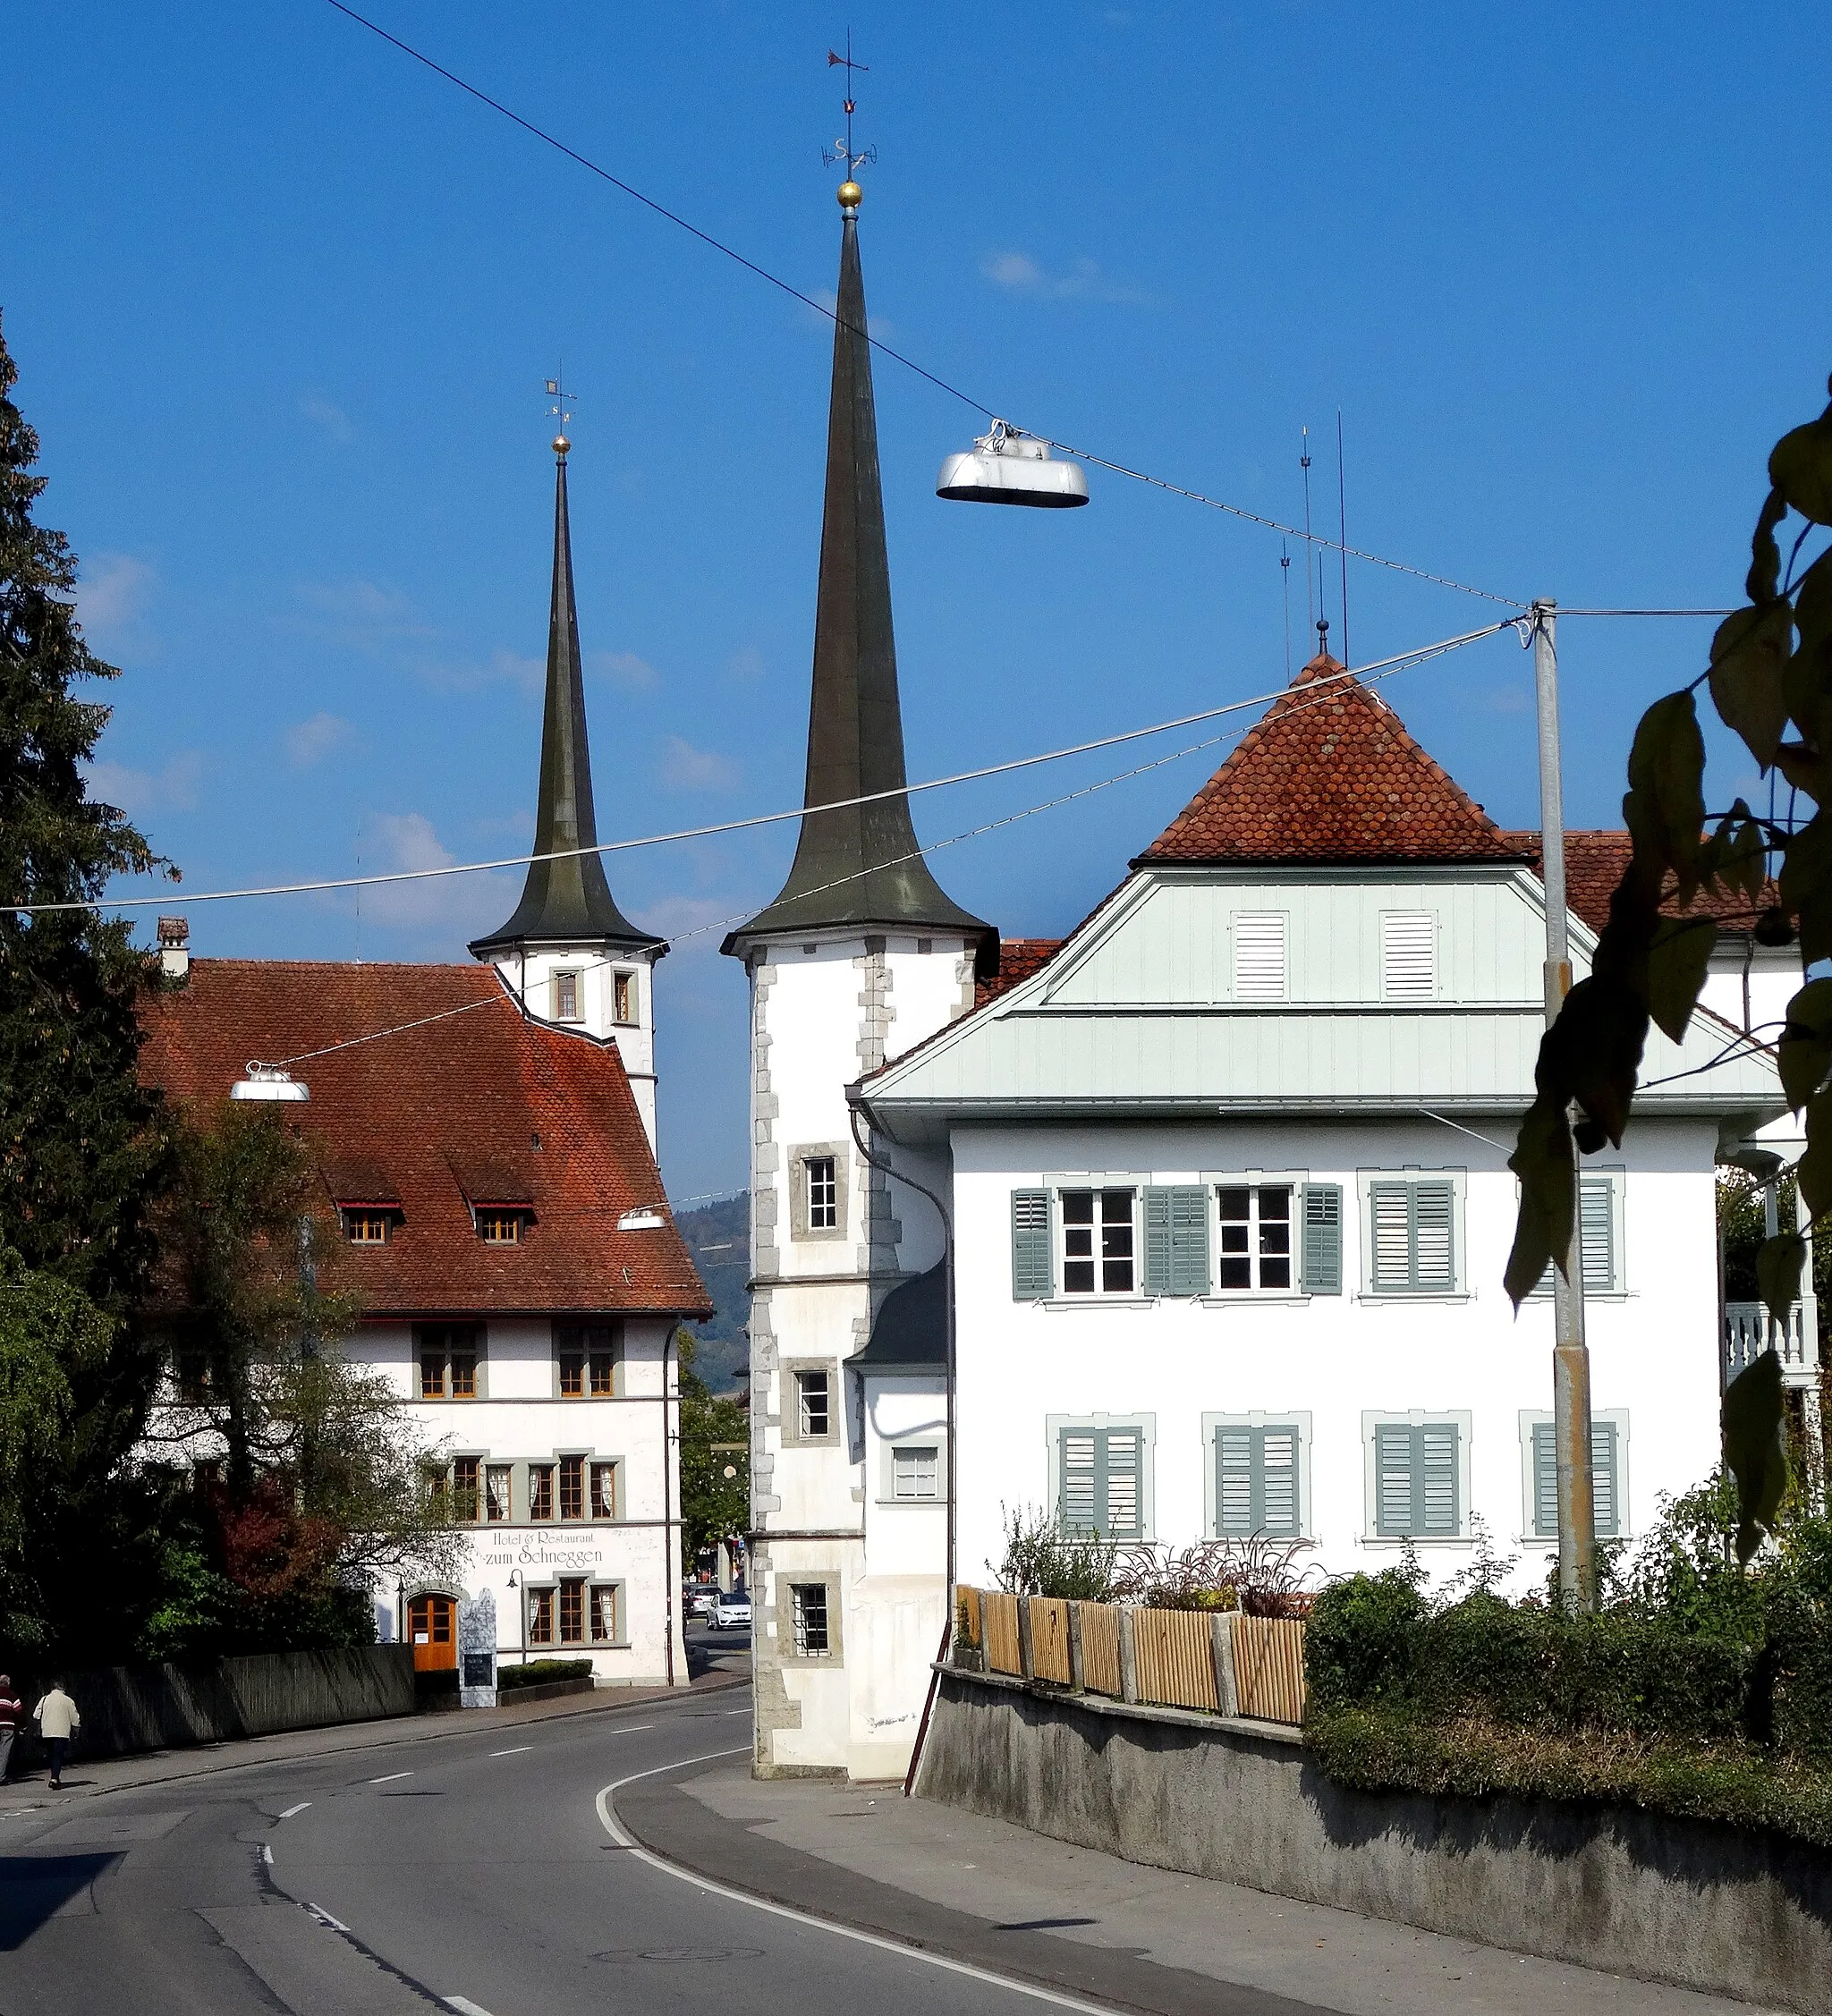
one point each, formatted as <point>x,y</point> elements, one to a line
<point>1749,1330</point>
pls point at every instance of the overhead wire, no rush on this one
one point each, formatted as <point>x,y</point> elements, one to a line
<point>896,356</point>
<point>323,885</point>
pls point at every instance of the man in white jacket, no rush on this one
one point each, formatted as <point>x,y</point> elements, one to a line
<point>58,1721</point>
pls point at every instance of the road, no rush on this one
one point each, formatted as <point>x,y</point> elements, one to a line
<point>469,1872</point>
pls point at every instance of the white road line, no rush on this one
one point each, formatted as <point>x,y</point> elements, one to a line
<point>520,1749</point>
<point>325,1917</point>
<point>267,1853</point>
<point>634,1728</point>
<point>706,1885</point>
<point>291,1811</point>
<point>391,1777</point>
<point>463,2005</point>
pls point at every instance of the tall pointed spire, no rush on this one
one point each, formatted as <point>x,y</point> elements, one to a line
<point>858,865</point>
<point>565,901</point>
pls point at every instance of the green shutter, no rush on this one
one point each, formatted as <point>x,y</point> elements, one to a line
<point>1033,1273</point>
<point>1177,1240</point>
<point>1434,1237</point>
<point>1158,1241</point>
<point>1122,1462</point>
<point>1320,1251</point>
<point>1079,1507</point>
<point>1256,1482</point>
<point>1418,1481</point>
<point>1606,1473</point>
<point>1413,1229</point>
<point>1102,1485</point>
<point>1393,1480</point>
<point>1597,1235</point>
<point>1439,1494</point>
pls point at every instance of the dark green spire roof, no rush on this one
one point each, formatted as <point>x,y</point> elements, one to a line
<point>564,901</point>
<point>857,866</point>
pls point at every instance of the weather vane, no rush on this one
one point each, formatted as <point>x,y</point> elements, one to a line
<point>561,409</point>
<point>842,153</point>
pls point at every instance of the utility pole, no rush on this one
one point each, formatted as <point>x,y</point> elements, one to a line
<point>1571,1356</point>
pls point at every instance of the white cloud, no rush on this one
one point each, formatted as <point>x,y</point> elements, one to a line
<point>362,613</point>
<point>459,905</point>
<point>514,668</point>
<point>334,421</point>
<point>687,768</point>
<point>172,789</point>
<point>1083,281</point>
<point>309,741</point>
<point>745,664</point>
<point>112,594</point>
<point>690,923</point>
<point>624,669</point>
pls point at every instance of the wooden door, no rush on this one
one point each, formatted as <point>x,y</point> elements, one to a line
<point>432,1629</point>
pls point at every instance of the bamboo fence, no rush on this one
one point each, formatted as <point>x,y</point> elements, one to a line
<point>1100,1647</point>
<point>1173,1651</point>
<point>1270,1668</point>
<point>1049,1640</point>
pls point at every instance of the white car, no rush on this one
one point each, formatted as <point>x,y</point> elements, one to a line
<point>731,1610</point>
<point>698,1599</point>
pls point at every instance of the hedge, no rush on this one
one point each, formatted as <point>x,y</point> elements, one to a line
<point>537,1673</point>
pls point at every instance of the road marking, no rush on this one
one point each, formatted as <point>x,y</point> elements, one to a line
<point>325,1917</point>
<point>519,1750</point>
<point>706,1885</point>
<point>267,1853</point>
<point>633,1729</point>
<point>291,1811</point>
<point>391,1777</point>
<point>464,2005</point>
<point>736,1711</point>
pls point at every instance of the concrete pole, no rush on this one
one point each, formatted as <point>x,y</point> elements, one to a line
<point>1571,1357</point>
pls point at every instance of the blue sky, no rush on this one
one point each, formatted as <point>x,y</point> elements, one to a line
<point>282,303</point>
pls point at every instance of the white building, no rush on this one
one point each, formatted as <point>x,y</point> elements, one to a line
<point>486,1134</point>
<point>1227,1174</point>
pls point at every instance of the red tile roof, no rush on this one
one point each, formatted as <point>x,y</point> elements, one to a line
<point>1593,865</point>
<point>480,1102</point>
<point>1329,775</point>
<point>1018,959</point>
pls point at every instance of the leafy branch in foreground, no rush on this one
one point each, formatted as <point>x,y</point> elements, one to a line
<point>1771,669</point>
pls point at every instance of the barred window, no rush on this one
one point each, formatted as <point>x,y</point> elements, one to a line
<point>808,1602</point>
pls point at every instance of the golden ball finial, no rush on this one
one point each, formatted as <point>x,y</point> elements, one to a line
<point>850,195</point>
<point>561,444</point>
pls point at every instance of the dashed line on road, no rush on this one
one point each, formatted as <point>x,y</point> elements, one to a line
<point>325,1917</point>
<point>388,1778</point>
<point>464,2005</point>
<point>521,1749</point>
<point>292,1811</point>
<point>267,1853</point>
<point>707,1887</point>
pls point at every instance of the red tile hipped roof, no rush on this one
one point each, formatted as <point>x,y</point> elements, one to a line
<point>1593,864</point>
<point>479,1097</point>
<point>1329,774</point>
<point>1018,959</point>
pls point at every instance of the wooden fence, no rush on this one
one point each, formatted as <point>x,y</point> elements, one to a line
<point>1174,1650</point>
<point>1100,1647</point>
<point>1269,1667</point>
<point>1049,1640</point>
<point>1176,1659</point>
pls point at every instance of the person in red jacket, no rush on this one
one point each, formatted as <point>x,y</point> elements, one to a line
<point>11,1709</point>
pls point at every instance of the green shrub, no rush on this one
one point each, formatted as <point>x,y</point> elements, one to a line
<point>537,1673</point>
<point>1361,1644</point>
<point>1041,1560</point>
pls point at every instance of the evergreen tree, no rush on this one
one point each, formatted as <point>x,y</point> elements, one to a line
<point>81,1145</point>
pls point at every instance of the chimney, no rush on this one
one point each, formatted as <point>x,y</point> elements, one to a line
<point>175,949</point>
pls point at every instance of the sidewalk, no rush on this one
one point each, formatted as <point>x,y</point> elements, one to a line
<point>991,1893</point>
<point>29,1793</point>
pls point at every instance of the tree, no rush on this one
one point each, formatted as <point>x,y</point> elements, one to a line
<point>323,1479</point>
<point>1771,670</point>
<point>714,1506</point>
<point>82,1145</point>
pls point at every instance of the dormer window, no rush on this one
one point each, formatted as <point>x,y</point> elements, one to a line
<point>623,1005</point>
<point>498,1226</point>
<point>367,1227</point>
<point>567,1008</point>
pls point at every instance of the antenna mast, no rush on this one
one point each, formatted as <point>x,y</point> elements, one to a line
<point>1341,521</point>
<point>1309,601</point>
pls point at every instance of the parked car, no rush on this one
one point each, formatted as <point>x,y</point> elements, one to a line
<point>697,1600</point>
<point>731,1610</point>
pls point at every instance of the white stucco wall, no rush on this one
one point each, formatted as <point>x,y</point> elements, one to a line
<point>1334,1359</point>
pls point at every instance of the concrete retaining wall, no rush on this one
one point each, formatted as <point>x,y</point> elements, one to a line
<point>1704,1906</point>
<point>129,1708</point>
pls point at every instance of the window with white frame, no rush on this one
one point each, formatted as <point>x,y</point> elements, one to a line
<point>823,1197</point>
<point>1259,955</point>
<point>814,1405</point>
<point>1411,1235</point>
<point>1599,1232</point>
<point>1418,1482</point>
<point>916,1472</point>
<point>1101,1480</point>
<point>1408,955</point>
<point>1098,1242</point>
<point>1609,1478</point>
<point>567,1008</point>
<point>1259,1479</point>
<point>623,998</point>
<point>1256,1238</point>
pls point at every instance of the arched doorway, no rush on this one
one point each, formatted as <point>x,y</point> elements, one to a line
<point>432,1630</point>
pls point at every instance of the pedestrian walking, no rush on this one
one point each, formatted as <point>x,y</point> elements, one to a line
<point>11,1709</point>
<point>58,1721</point>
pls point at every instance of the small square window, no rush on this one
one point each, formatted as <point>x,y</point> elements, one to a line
<point>495,1498</point>
<point>823,1193</point>
<point>813,1395</point>
<point>1098,1255</point>
<point>541,1494</point>
<point>916,1471</point>
<point>623,998</point>
<point>566,998</point>
<point>498,1227</point>
<point>808,1602</point>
